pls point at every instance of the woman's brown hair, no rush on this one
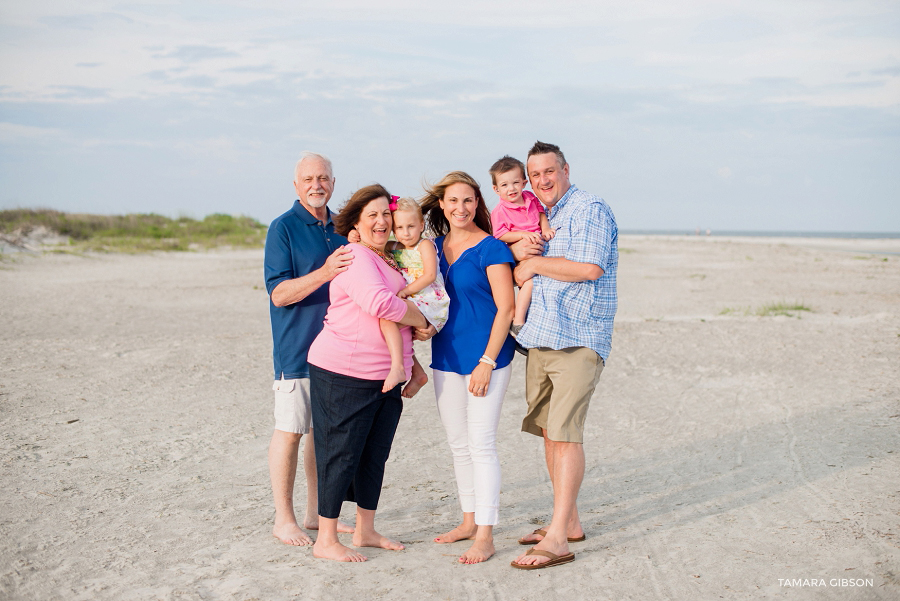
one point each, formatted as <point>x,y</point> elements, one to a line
<point>435,220</point>
<point>349,215</point>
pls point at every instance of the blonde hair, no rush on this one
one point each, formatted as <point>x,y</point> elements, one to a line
<point>409,204</point>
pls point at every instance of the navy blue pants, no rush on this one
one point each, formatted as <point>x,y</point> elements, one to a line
<point>353,428</point>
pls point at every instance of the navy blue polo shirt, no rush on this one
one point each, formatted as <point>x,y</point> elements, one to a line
<point>297,244</point>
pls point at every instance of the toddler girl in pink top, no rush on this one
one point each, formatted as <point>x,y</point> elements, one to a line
<point>518,216</point>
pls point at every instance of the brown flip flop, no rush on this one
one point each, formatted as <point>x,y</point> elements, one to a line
<point>542,532</point>
<point>555,560</point>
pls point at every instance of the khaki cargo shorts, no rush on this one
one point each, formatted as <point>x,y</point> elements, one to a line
<point>558,387</point>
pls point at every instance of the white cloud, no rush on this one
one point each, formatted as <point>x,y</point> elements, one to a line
<point>14,132</point>
<point>630,44</point>
<point>657,94</point>
<point>220,148</point>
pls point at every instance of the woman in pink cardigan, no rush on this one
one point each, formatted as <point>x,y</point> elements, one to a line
<point>354,420</point>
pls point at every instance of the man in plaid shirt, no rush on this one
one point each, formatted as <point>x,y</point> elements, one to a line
<point>568,333</point>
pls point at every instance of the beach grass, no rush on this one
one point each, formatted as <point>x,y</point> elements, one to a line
<point>136,232</point>
<point>769,310</point>
<point>781,308</point>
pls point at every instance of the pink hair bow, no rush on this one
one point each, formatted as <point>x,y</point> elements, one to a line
<point>393,204</point>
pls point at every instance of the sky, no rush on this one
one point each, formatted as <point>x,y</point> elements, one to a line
<point>760,115</point>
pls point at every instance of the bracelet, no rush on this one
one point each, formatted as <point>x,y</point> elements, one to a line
<point>488,360</point>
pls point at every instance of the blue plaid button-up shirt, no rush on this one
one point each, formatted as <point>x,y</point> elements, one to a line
<point>572,314</point>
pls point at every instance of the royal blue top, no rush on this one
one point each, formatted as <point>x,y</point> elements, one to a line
<point>297,244</point>
<point>462,341</point>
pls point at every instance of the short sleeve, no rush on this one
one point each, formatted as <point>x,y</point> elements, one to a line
<point>278,266</point>
<point>495,252</point>
<point>591,236</point>
<point>498,222</point>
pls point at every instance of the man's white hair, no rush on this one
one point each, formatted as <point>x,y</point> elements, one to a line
<point>307,155</point>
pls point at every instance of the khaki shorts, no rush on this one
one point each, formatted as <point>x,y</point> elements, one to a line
<point>292,409</point>
<point>558,386</point>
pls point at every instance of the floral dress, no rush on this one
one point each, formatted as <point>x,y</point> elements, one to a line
<point>432,300</point>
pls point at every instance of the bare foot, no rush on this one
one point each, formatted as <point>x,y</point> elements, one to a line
<point>538,535</point>
<point>415,384</point>
<point>532,538</point>
<point>313,524</point>
<point>458,533</point>
<point>395,376</point>
<point>481,550</point>
<point>291,534</point>
<point>336,552</point>
<point>525,559</point>
<point>373,539</point>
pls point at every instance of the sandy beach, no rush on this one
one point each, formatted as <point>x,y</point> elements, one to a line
<point>729,454</point>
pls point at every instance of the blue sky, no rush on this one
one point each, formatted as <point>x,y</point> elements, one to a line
<point>763,115</point>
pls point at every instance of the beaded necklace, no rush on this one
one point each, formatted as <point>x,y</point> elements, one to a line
<point>384,256</point>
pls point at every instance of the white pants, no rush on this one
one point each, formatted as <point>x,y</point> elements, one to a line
<point>471,423</point>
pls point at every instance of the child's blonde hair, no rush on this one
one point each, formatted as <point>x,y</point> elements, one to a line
<point>410,204</point>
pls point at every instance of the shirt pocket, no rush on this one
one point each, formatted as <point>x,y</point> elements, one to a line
<point>574,303</point>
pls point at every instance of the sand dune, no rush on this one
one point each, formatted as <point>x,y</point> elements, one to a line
<point>728,454</point>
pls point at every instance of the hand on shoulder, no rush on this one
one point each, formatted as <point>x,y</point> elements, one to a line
<point>338,262</point>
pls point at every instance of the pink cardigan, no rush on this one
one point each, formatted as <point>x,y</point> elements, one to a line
<point>351,342</point>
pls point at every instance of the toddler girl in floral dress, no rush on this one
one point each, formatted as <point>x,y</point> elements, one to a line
<point>418,262</point>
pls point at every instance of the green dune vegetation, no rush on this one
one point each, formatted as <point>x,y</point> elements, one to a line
<point>768,310</point>
<point>51,230</point>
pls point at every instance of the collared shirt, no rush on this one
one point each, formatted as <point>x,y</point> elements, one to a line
<point>571,314</point>
<point>297,244</point>
<point>508,217</point>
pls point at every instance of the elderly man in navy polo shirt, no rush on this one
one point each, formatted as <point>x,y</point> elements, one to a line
<point>303,254</point>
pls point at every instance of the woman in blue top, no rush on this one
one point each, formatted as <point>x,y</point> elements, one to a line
<point>471,355</point>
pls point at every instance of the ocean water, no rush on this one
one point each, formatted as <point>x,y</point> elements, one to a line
<point>754,234</point>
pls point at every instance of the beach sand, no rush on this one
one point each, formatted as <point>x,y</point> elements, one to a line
<point>726,452</point>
